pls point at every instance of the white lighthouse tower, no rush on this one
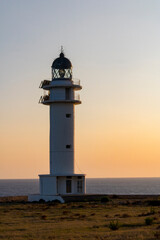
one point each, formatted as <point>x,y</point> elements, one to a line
<point>61,100</point>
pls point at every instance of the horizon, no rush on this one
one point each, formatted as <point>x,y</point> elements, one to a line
<point>85,178</point>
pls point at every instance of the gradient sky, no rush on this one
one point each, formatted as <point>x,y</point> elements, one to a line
<point>114,47</point>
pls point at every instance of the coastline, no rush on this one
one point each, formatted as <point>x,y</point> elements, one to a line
<point>84,198</point>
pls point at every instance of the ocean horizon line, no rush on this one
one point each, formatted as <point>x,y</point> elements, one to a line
<point>86,178</point>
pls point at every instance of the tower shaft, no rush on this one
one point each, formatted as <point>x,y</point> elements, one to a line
<point>61,138</point>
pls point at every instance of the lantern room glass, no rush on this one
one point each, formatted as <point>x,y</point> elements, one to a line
<point>61,74</point>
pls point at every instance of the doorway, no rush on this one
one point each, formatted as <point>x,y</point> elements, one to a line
<point>69,186</point>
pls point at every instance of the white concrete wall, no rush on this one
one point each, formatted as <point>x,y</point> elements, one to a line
<point>57,94</point>
<point>52,185</point>
<point>61,134</point>
<point>84,185</point>
<point>61,185</point>
<point>48,185</point>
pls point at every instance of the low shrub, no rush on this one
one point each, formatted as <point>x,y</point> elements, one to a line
<point>95,226</point>
<point>104,199</point>
<point>42,200</point>
<point>114,196</point>
<point>77,214</point>
<point>132,225</point>
<point>83,216</point>
<point>56,201</point>
<point>114,225</point>
<point>65,212</point>
<point>157,235</point>
<point>154,203</point>
<point>125,215</point>
<point>80,206</point>
<point>152,211</point>
<point>43,217</point>
<point>137,203</point>
<point>149,221</point>
<point>93,214</point>
<point>117,215</point>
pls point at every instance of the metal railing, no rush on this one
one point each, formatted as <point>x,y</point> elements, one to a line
<point>44,83</point>
<point>77,97</point>
<point>44,98</point>
<point>76,81</point>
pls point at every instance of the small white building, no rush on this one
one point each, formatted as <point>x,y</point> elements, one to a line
<point>61,100</point>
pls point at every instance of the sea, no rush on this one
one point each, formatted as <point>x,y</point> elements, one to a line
<point>121,186</point>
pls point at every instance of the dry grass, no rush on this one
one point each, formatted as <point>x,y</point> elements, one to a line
<point>70,221</point>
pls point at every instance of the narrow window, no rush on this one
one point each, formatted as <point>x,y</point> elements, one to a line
<point>68,146</point>
<point>67,93</point>
<point>68,115</point>
<point>79,186</point>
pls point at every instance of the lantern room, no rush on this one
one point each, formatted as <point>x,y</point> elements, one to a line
<point>61,68</point>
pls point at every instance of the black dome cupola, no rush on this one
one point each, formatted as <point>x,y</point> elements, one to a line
<point>61,68</point>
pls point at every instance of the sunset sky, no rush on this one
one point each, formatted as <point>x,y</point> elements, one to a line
<point>114,47</point>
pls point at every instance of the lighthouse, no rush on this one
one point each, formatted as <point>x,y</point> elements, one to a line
<point>60,95</point>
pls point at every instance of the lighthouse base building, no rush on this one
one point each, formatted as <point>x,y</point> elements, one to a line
<point>61,98</point>
<point>56,187</point>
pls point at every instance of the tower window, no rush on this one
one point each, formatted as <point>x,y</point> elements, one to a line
<point>68,115</point>
<point>67,93</point>
<point>68,146</point>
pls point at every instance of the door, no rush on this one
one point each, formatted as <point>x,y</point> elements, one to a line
<point>68,186</point>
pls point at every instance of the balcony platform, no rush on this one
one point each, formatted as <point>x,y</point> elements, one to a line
<point>47,84</point>
<point>49,102</point>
